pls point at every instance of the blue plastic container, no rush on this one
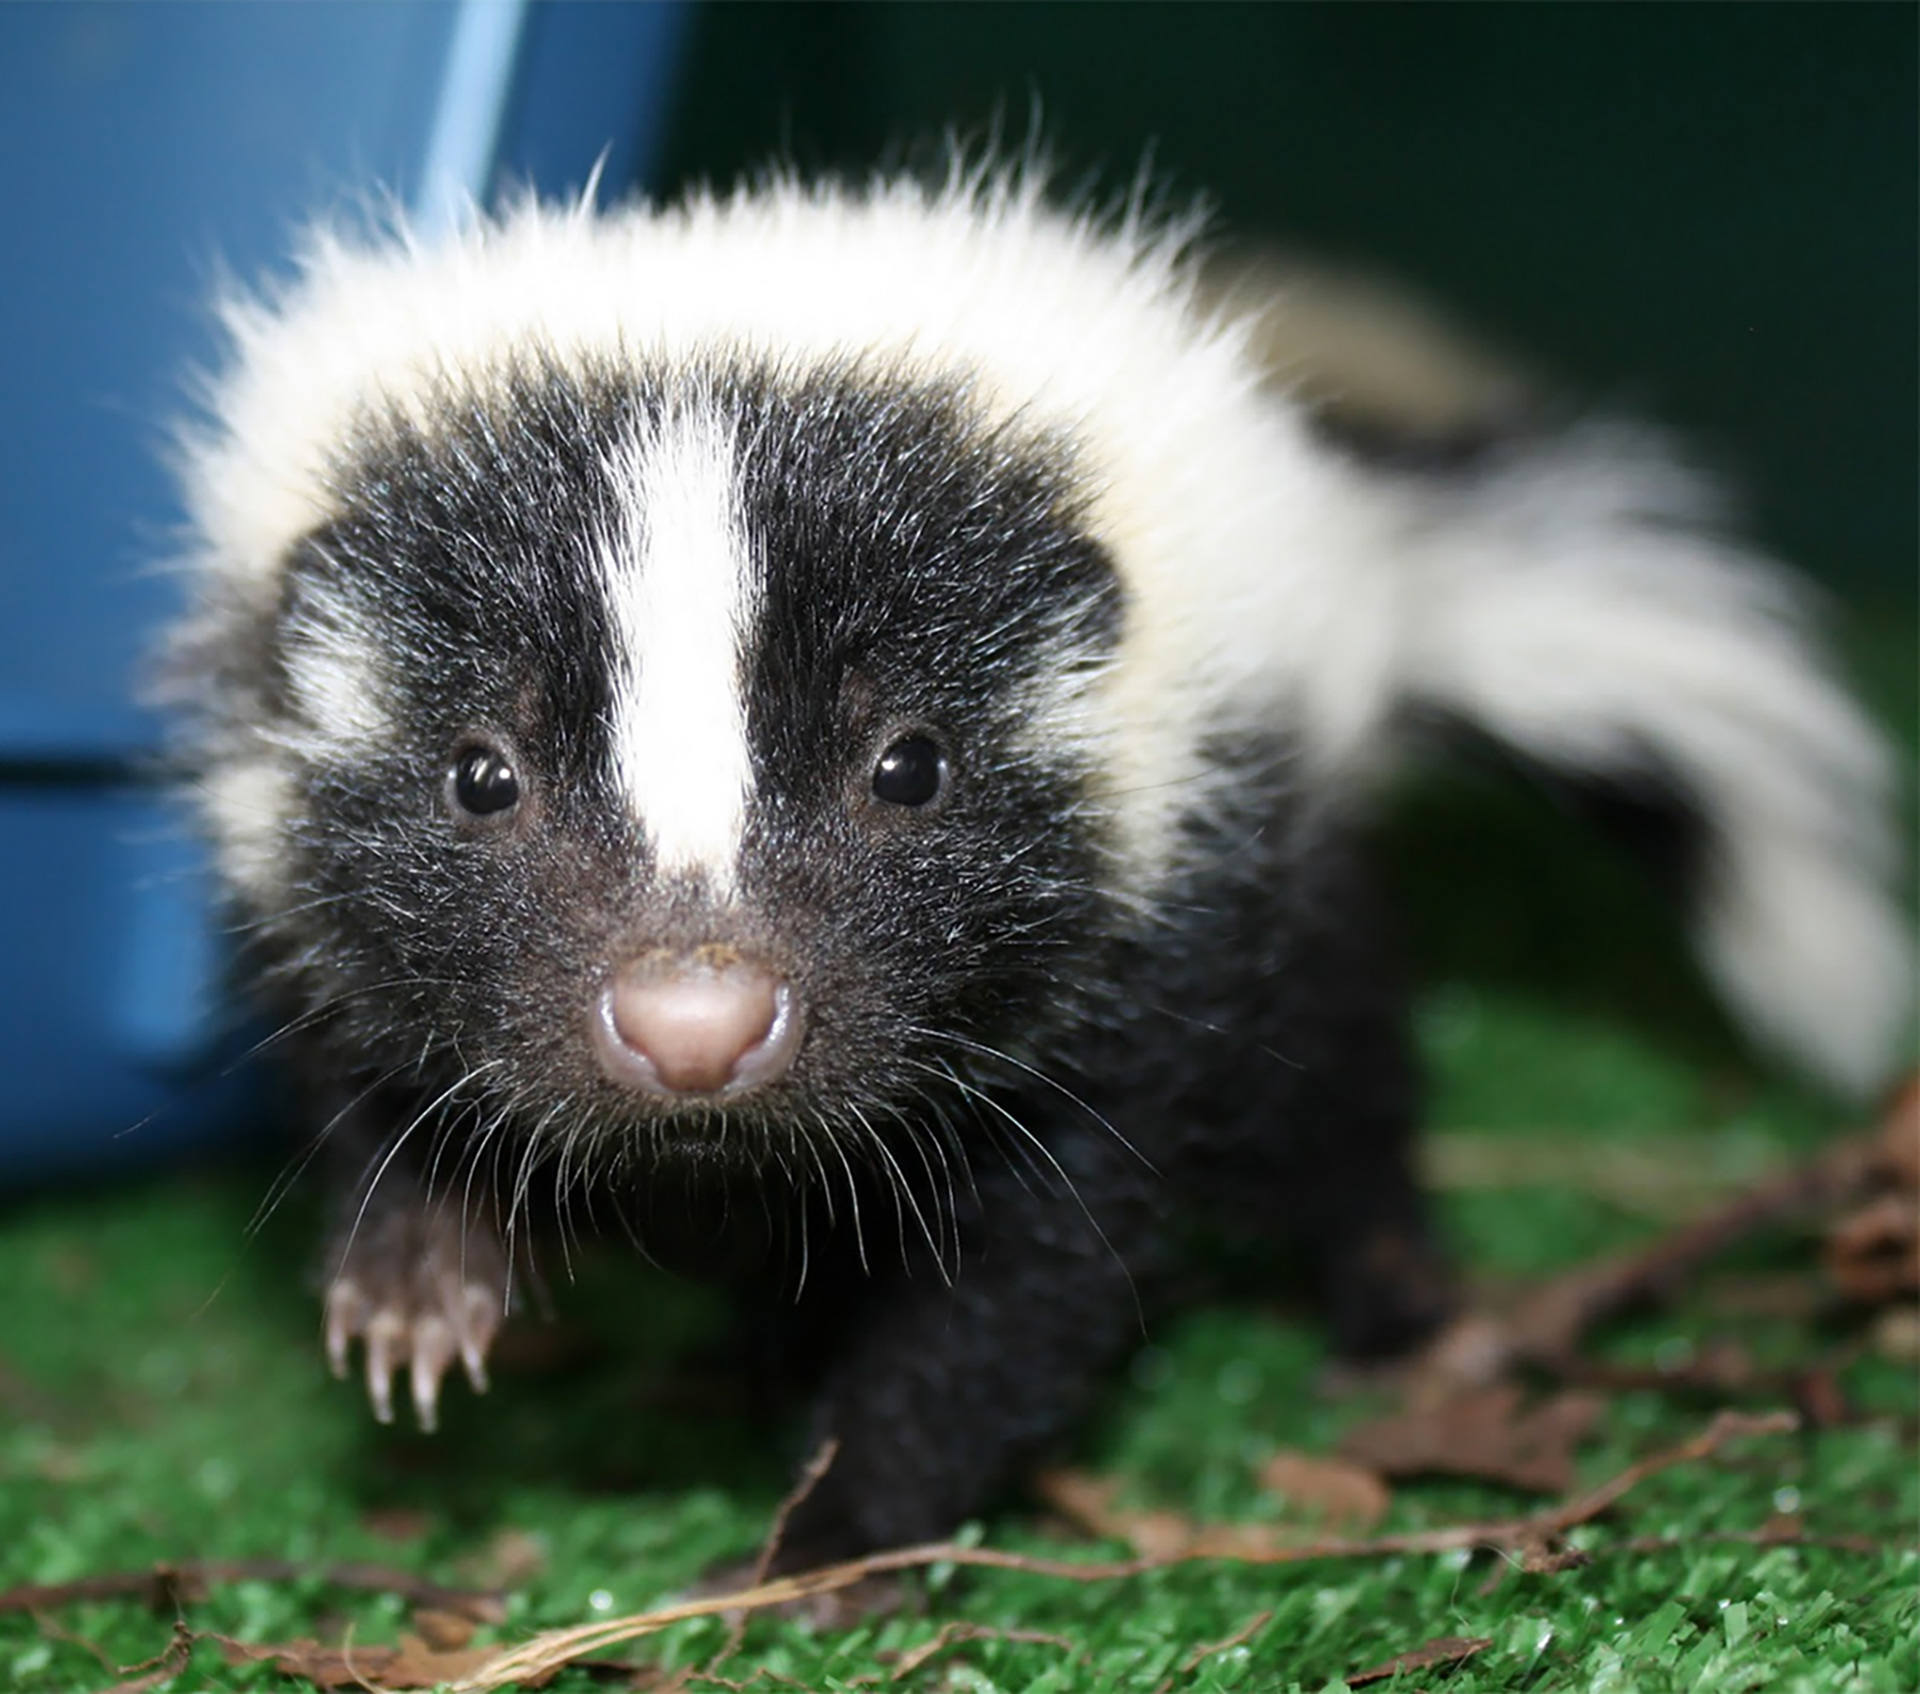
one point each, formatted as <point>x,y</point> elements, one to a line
<point>153,146</point>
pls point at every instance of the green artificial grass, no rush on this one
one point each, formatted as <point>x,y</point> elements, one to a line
<point>163,1398</point>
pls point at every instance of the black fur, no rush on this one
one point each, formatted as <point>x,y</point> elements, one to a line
<point>1016,1089</point>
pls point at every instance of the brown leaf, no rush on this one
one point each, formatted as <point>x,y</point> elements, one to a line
<point>1541,1560</point>
<point>506,1560</point>
<point>1087,1500</point>
<point>443,1631</point>
<point>411,1664</point>
<point>1898,1149</point>
<point>1485,1434</point>
<point>1873,1253</point>
<point>1341,1493</point>
<point>1442,1650</point>
<point>419,1665</point>
<point>1820,1399</point>
<point>396,1523</point>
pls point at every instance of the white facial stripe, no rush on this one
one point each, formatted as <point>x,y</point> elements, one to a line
<point>681,584</point>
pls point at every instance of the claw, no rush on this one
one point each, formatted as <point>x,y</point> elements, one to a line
<point>433,1351</point>
<point>386,1342</point>
<point>417,1303</point>
<point>347,1315</point>
<point>480,1323</point>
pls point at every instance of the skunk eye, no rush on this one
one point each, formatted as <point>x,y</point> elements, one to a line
<point>482,783</point>
<point>911,772</point>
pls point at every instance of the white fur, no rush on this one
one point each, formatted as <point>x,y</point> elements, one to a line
<point>682,586</point>
<point>1580,608</point>
<point>250,800</point>
<point>1267,583</point>
<point>338,684</point>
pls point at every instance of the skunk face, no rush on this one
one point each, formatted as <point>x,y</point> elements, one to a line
<point>687,751</point>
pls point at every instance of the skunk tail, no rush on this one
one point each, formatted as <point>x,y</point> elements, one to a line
<point>1579,603</point>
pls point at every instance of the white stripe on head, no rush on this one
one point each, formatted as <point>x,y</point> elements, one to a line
<point>680,581</point>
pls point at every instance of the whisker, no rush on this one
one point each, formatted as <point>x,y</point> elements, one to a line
<point>1041,1076</point>
<point>949,1219</point>
<point>379,1174</point>
<point>972,1097</point>
<point>1067,1184</point>
<point>903,1190</point>
<point>290,1173</point>
<point>853,1200</point>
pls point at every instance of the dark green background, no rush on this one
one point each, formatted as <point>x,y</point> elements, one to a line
<point>1706,214</point>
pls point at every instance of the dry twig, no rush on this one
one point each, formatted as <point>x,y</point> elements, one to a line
<point>1239,1638</point>
<point>817,1467</point>
<point>163,1667</point>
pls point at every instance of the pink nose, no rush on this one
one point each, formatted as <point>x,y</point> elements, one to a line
<point>683,1026</point>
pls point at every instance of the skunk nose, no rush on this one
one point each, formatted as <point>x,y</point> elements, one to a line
<point>688,1026</point>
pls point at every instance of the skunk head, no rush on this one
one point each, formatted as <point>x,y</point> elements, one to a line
<point>719,669</point>
<point>683,747</point>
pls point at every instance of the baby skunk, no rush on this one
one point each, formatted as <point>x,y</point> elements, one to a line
<point>850,707</point>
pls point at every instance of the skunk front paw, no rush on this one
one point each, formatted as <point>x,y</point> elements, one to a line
<point>419,1286</point>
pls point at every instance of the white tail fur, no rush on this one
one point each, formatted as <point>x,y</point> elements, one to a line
<point>1578,604</point>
